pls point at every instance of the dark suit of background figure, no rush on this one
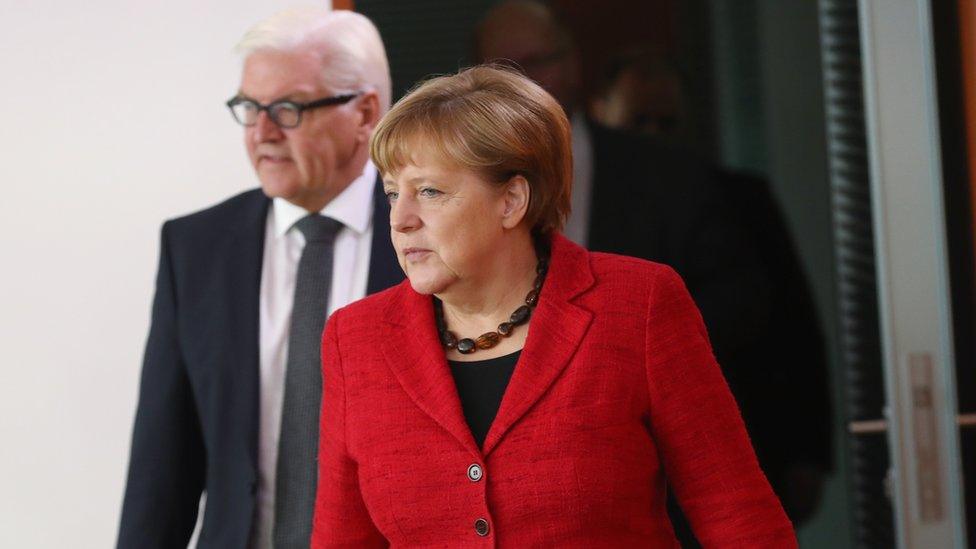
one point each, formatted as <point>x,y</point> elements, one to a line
<point>723,232</point>
<point>660,202</point>
<point>196,427</point>
<point>783,378</point>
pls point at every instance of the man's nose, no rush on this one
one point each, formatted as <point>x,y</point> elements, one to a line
<point>265,129</point>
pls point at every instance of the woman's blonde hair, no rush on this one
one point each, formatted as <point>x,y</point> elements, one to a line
<point>490,120</point>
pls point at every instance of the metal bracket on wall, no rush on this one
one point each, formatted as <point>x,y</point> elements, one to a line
<point>872,426</point>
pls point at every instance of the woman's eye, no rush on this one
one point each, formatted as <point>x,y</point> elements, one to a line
<point>428,192</point>
<point>391,195</point>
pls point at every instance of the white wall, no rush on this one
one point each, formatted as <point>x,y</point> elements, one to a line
<point>111,121</point>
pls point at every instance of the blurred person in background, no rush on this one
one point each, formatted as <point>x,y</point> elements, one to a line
<point>591,387</point>
<point>231,381</point>
<point>641,93</point>
<point>642,194</point>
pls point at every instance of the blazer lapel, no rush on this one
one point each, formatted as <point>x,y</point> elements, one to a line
<point>555,332</point>
<point>413,351</point>
<point>384,271</point>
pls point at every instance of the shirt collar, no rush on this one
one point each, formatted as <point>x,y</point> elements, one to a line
<point>353,207</point>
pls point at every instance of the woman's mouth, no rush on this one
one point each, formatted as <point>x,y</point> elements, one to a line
<point>415,254</point>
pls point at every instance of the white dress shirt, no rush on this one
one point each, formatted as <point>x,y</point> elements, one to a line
<point>578,225</point>
<point>283,245</point>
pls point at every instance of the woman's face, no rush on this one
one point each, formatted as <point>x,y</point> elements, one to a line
<point>445,222</point>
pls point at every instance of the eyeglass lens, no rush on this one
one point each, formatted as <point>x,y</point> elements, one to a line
<point>285,115</point>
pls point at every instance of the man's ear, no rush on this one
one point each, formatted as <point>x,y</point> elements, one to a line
<point>368,108</point>
<point>516,201</point>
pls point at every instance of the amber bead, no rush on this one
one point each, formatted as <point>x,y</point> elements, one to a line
<point>537,285</point>
<point>532,298</point>
<point>448,339</point>
<point>466,346</point>
<point>505,328</point>
<point>487,340</point>
<point>520,315</point>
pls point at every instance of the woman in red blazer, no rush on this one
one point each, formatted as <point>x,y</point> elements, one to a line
<point>566,421</point>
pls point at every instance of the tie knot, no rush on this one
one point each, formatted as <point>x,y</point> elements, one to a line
<point>318,228</point>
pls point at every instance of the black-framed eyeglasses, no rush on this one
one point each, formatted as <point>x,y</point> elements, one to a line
<point>286,114</point>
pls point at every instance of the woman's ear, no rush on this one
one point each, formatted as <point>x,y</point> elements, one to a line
<point>516,201</point>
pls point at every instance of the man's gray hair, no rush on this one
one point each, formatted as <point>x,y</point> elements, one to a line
<point>353,57</point>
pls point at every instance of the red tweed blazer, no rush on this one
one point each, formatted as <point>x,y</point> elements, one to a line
<point>615,398</point>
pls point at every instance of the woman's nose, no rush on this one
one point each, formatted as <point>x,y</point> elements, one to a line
<point>403,216</point>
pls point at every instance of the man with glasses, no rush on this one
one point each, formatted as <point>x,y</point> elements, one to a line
<point>231,382</point>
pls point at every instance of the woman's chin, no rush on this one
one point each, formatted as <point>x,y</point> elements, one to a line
<point>426,285</point>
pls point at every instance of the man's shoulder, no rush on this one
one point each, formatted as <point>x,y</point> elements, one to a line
<point>206,232</point>
<point>241,208</point>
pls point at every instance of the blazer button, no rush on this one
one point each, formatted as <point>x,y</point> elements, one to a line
<point>475,472</point>
<point>481,527</point>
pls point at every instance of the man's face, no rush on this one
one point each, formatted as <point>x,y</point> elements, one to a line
<point>310,164</point>
<point>641,103</point>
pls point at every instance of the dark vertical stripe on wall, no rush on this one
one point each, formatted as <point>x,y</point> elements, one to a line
<point>738,90</point>
<point>856,273</point>
<point>424,37</point>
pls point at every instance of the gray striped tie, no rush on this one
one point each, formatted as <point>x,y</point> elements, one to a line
<point>298,445</point>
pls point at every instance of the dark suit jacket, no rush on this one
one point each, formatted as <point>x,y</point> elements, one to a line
<point>615,391</point>
<point>786,404</point>
<point>196,426</point>
<point>662,203</point>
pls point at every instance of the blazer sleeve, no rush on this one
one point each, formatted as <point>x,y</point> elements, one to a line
<point>708,460</point>
<point>341,518</point>
<point>167,462</point>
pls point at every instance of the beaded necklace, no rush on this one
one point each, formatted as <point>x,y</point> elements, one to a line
<point>490,339</point>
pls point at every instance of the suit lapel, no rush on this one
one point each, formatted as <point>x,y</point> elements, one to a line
<point>245,260</point>
<point>413,352</point>
<point>384,271</point>
<point>555,332</point>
